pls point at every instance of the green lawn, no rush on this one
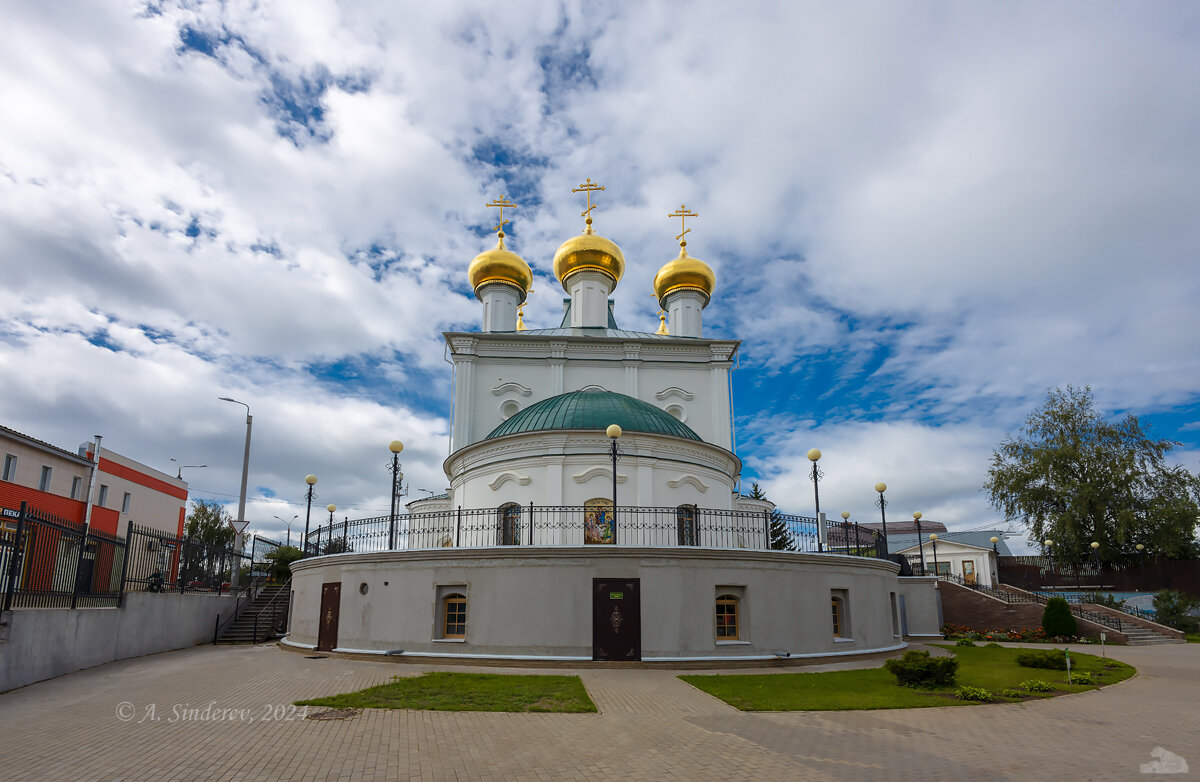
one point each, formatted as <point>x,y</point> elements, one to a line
<point>1193,638</point>
<point>874,688</point>
<point>467,692</point>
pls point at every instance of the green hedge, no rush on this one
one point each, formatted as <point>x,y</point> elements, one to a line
<point>918,669</point>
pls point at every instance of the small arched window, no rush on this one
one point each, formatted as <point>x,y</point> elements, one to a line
<point>727,618</point>
<point>685,523</point>
<point>454,616</point>
<point>508,525</point>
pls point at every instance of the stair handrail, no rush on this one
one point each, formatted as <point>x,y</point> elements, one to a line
<point>252,591</point>
<point>273,606</point>
<point>999,594</point>
<point>1111,622</point>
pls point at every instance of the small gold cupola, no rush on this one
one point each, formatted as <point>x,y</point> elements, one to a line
<point>500,278</point>
<point>499,264</point>
<point>588,251</point>
<point>684,285</point>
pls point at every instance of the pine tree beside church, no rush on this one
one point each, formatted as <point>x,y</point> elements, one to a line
<point>781,540</point>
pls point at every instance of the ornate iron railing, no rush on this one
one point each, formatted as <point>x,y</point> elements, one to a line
<point>534,525</point>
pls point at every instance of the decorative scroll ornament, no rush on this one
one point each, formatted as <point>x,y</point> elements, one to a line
<point>519,478</point>
<point>616,620</point>
<point>596,472</point>
<point>691,480</point>
<point>686,396</point>
<point>511,386</point>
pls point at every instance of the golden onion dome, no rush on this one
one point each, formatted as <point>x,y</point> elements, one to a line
<point>500,265</point>
<point>589,252</point>
<point>684,273</point>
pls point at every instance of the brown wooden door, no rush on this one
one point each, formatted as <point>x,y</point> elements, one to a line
<point>331,603</point>
<point>616,619</point>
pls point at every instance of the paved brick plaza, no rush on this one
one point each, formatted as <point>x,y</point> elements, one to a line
<point>650,726</point>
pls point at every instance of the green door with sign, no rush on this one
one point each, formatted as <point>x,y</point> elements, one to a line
<point>616,619</point>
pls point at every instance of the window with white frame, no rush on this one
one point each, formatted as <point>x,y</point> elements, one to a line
<point>44,481</point>
<point>76,486</point>
<point>10,467</point>
<point>102,500</point>
<point>125,502</point>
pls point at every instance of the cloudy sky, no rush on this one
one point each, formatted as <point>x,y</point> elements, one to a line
<point>922,216</point>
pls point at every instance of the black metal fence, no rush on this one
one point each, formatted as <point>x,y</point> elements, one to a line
<point>539,525</point>
<point>49,562</point>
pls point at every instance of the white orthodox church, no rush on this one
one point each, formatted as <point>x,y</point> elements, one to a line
<point>526,556</point>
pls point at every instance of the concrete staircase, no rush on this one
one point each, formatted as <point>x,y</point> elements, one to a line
<point>1139,631</point>
<point>269,608</point>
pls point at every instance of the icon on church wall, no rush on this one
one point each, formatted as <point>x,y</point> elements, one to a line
<point>597,522</point>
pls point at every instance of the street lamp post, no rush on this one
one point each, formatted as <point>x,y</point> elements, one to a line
<point>881,487</point>
<point>395,446</point>
<point>814,456</point>
<point>933,537</point>
<point>614,433</point>
<point>1141,550</point>
<point>241,519</point>
<point>1049,545</point>
<point>288,522</point>
<point>1096,556</point>
<point>331,508</point>
<point>311,480</point>
<point>920,543</point>
<point>996,560</point>
<point>179,468</point>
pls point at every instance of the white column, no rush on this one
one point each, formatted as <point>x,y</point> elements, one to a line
<point>463,401</point>
<point>684,313</point>
<point>589,299</point>
<point>499,306</point>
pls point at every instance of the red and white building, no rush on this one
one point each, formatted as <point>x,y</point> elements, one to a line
<point>60,482</point>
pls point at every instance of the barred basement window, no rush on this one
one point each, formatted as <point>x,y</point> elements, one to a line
<point>727,618</point>
<point>454,621</point>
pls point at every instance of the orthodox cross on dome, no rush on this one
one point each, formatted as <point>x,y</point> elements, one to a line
<point>683,214</point>
<point>588,187</point>
<point>502,204</point>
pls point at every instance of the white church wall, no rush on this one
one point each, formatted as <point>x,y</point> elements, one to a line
<point>538,601</point>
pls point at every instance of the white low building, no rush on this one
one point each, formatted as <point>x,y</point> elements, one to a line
<point>968,563</point>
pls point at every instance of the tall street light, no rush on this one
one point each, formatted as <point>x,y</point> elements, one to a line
<point>181,467</point>
<point>288,522</point>
<point>881,487</point>
<point>933,538</point>
<point>996,560</point>
<point>920,543</point>
<point>1049,544</point>
<point>240,525</point>
<point>814,456</point>
<point>1141,549</point>
<point>331,508</point>
<point>311,480</point>
<point>614,433</point>
<point>395,446</point>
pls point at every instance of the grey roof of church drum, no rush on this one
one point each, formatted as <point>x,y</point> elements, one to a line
<point>593,409</point>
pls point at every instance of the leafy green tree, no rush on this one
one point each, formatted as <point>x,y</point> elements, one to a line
<point>780,538</point>
<point>281,561</point>
<point>1171,609</point>
<point>1072,477</point>
<point>209,522</point>
<point>1057,619</point>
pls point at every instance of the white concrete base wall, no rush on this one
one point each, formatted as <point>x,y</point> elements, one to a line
<point>538,601</point>
<point>922,606</point>
<point>46,642</point>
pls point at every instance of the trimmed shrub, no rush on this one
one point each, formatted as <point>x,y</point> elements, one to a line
<point>994,645</point>
<point>1057,619</point>
<point>1009,692</point>
<point>968,693</point>
<point>1171,609</point>
<point>1053,659</point>
<point>918,669</point>
<point>1082,677</point>
<point>1037,685</point>
<point>965,642</point>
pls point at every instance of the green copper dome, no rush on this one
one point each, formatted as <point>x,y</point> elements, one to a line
<point>593,409</point>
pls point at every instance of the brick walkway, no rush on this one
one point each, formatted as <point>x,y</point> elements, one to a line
<point>650,726</point>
